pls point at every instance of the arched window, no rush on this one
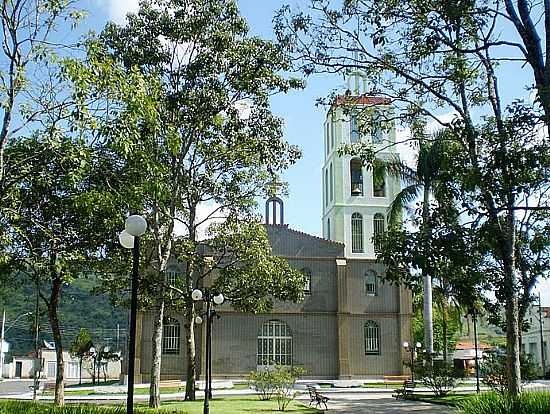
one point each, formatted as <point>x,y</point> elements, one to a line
<point>378,226</point>
<point>356,177</point>
<point>327,138</point>
<point>332,129</point>
<point>371,288</point>
<point>372,338</point>
<point>307,286</point>
<point>331,183</point>
<point>353,129</point>
<point>275,344</point>
<point>379,180</point>
<point>326,187</point>
<point>172,275</point>
<point>171,336</point>
<point>356,233</point>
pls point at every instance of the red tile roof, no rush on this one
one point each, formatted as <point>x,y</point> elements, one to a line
<point>362,100</point>
<point>470,345</point>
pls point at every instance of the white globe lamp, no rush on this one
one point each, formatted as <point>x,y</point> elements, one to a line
<point>196,295</point>
<point>136,225</point>
<point>126,239</point>
<point>198,320</point>
<point>218,299</point>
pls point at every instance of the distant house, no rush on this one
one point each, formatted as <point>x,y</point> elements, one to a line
<point>464,356</point>
<point>23,366</point>
<point>531,340</point>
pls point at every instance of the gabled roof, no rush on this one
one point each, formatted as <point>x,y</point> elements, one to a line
<point>293,243</point>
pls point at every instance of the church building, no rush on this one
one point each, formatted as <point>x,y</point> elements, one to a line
<point>350,325</point>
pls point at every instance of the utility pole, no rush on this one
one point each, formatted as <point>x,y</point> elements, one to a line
<point>2,345</point>
<point>542,356</point>
<point>117,335</point>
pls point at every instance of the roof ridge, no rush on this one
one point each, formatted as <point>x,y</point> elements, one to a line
<point>304,233</point>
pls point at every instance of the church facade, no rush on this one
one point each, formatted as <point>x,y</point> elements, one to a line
<point>350,325</point>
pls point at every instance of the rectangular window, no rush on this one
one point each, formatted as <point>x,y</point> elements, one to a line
<point>356,233</point>
<point>72,369</point>
<point>372,338</point>
<point>171,339</point>
<point>51,369</point>
<point>307,285</point>
<point>331,183</point>
<point>332,130</point>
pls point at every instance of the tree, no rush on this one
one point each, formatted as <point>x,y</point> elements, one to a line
<point>58,215</point>
<point>188,92</point>
<point>80,348</point>
<point>428,58</point>
<point>28,28</point>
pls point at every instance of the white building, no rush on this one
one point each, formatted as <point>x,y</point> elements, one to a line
<point>531,340</point>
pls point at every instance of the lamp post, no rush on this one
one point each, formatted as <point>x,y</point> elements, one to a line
<point>412,350</point>
<point>210,298</point>
<point>135,226</point>
<point>476,358</point>
<point>2,336</point>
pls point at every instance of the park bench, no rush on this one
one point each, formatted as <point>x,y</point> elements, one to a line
<point>316,397</point>
<point>395,379</point>
<point>406,390</point>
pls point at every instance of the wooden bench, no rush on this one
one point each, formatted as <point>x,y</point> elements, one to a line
<point>395,379</point>
<point>407,389</point>
<point>316,397</point>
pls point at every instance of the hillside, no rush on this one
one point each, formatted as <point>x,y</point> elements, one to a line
<point>79,309</point>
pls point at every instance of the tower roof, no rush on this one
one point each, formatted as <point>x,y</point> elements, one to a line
<point>361,100</point>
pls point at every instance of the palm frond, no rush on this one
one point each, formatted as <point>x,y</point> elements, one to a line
<point>402,200</point>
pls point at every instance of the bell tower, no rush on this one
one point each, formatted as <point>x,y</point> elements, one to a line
<point>355,201</point>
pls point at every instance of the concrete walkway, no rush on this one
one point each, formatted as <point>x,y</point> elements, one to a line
<point>381,404</point>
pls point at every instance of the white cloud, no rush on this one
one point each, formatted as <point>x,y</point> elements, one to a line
<point>118,9</point>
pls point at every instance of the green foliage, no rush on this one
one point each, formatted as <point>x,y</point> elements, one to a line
<point>276,382</point>
<point>25,407</point>
<point>493,370</point>
<point>439,376</point>
<point>81,344</point>
<point>497,403</point>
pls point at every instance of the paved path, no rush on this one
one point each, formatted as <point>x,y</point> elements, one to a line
<point>15,387</point>
<point>381,404</point>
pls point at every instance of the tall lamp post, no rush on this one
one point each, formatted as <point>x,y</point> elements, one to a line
<point>210,298</point>
<point>412,350</point>
<point>135,226</point>
<point>476,358</point>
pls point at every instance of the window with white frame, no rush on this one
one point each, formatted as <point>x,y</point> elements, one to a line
<point>356,177</point>
<point>331,183</point>
<point>275,344</point>
<point>332,129</point>
<point>371,288</point>
<point>372,338</point>
<point>379,228</point>
<point>307,285</point>
<point>356,233</point>
<point>72,369</point>
<point>171,337</point>
<point>51,369</point>
<point>172,275</point>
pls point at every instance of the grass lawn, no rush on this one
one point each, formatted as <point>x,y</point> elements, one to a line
<point>232,405</point>
<point>451,400</point>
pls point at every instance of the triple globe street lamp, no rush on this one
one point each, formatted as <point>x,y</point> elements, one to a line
<point>211,298</point>
<point>135,227</point>
<point>412,350</point>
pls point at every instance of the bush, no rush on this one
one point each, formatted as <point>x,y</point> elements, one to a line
<point>439,376</point>
<point>496,403</point>
<point>493,370</point>
<point>277,382</point>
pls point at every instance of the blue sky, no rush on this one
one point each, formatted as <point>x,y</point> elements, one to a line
<point>303,120</point>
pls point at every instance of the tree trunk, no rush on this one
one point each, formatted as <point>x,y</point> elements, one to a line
<point>154,389</point>
<point>55,295</point>
<point>444,328</point>
<point>428,315</point>
<point>512,309</point>
<point>190,386</point>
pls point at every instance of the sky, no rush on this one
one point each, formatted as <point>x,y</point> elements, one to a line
<point>302,118</point>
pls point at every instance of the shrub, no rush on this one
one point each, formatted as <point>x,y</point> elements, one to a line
<point>276,382</point>
<point>263,383</point>
<point>497,403</point>
<point>493,370</point>
<point>285,379</point>
<point>439,376</point>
